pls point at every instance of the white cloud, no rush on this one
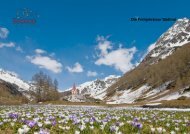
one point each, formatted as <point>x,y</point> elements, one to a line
<point>10,44</point>
<point>77,68</point>
<point>40,51</point>
<point>120,59</point>
<point>103,45</point>
<point>91,74</point>
<point>46,63</point>
<point>3,32</point>
<point>19,49</point>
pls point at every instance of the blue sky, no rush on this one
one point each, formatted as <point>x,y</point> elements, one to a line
<point>78,41</point>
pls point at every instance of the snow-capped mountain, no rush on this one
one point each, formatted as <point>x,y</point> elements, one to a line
<point>23,87</point>
<point>13,78</point>
<point>172,48</point>
<point>174,37</point>
<point>97,88</point>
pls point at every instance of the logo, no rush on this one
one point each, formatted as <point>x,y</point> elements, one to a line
<point>25,16</point>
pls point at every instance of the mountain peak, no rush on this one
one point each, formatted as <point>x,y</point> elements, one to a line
<point>176,36</point>
<point>185,19</point>
<point>13,78</point>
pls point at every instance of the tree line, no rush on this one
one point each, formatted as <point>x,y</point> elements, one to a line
<point>46,89</point>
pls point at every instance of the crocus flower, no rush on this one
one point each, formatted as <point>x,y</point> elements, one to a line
<point>13,115</point>
<point>54,123</point>
<point>31,123</point>
<point>44,131</point>
<point>152,129</point>
<point>172,132</point>
<point>77,132</point>
<point>112,128</point>
<point>1,123</point>
<point>139,125</point>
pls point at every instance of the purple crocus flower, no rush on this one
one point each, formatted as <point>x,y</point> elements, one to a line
<point>92,119</point>
<point>44,131</point>
<point>76,121</point>
<point>105,120</point>
<point>62,117</point>
<point>52,118</point>
<point>139,125</point>
<point>133,123</point>
<point>13,115</point>
<point>54,123</point>
<point>112,128</point>
<point>30,123</point>
<point>135,119</point>
<point>86,120</point>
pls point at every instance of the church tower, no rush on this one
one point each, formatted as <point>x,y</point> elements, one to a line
<point>74,90</point>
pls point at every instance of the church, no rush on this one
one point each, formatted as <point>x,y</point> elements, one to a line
<point>75,95</point>
<point>74,90</point>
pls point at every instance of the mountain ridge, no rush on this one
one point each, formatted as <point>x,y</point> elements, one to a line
<point>161,72</point>
<point>95,89</point>
<point>176,36</point>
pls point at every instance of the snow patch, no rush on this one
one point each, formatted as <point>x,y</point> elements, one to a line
<point>129,96</point>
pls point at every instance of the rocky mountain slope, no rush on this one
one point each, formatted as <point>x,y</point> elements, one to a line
<point>15,85</point>
<point>174,37</point>
<point>14,79</point>
<point>164,74</point>
<point>9,94</point>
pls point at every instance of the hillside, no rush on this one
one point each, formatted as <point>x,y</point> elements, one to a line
<point>164,74</point>
<point>13,86</point>
<point>9,94</point>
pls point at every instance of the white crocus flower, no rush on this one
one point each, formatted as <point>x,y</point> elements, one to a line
<point>176,128</point>
<point>47,122</point>
<point>20,131</point>
<point>168,124</point>
<point>12,124</point>
<point>40,124</point>
<point>67,127</point>
<point>159,129</point>
<point>102,126</point>
<point>152,129</point>
<point>26,129</point>
<point>77,132</point>
<point>91,127</point>
<point>172,132</point>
